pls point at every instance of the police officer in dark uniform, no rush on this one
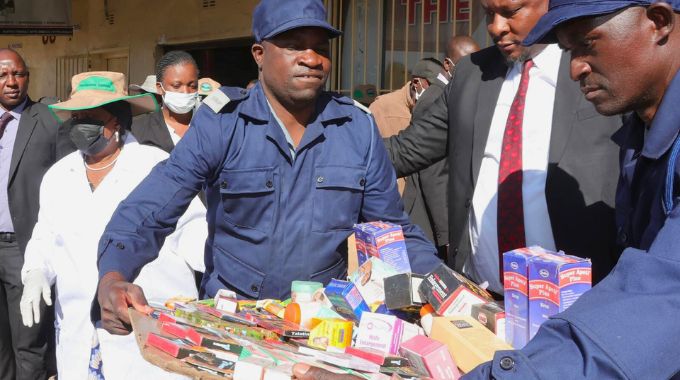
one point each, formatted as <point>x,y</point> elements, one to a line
<point>287,170</point>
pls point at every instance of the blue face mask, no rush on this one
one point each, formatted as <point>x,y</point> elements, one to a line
<point>88,136</point>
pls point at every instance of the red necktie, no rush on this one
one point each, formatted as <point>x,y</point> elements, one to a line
<point>4,120</point>
<point>510,205</point>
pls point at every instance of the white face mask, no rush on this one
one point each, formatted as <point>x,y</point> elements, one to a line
<point>180,102</point>
<point>419,94</point>
<point>452,68</point>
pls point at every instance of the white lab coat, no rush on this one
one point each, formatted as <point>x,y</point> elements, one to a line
<point>64,245</point>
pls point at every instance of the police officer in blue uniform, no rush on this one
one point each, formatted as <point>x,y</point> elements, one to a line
<point>287,169</point>
<point>626,55</point>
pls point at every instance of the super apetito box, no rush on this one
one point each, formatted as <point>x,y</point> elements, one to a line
<point>384,241</point>
<point>516,289</point>
<point>555,283</point>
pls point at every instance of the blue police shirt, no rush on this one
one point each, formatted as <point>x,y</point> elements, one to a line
<point>271,218</point>
<point>626,327</point>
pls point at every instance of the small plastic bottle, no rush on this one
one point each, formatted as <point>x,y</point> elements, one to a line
<point>426,318</point>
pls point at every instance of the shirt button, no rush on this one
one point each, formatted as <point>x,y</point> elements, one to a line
<point>362,182</point>
<point>270,184</point>
<point>507,363</point>
<point>223,185</point>
<point>254,288</point>
<point>320,179</point>
<point>120,245</point>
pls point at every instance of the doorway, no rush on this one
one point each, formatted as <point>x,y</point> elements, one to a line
<point>228,62</point>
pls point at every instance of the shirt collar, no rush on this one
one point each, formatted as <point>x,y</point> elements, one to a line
<point>547,63</point>
<point>16,111</point>
<point>442,78</point>
<point>289,138</point>
<point>666,123</point>
<point>259,109</point>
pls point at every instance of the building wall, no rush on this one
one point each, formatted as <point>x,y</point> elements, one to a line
<point>382,39</point>
<point>139,27</point>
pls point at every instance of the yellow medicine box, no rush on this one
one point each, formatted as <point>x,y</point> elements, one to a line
<point>331,334</point>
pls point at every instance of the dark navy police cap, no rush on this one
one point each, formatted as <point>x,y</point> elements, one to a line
<point>561,11</point>
<point>273,17</point>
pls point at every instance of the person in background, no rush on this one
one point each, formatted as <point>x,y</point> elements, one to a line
<point>392,114</point>
<point>456,48</point>
<point>177,85</point>
<point>288,170</point>
<point>78,196</point>
<point>147,87</point>
<point>31,141</point>
<point>426,193</point>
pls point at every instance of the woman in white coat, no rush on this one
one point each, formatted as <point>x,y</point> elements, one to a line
<point>78,195</point>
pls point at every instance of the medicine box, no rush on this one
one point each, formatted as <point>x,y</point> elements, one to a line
<point>384,241</point>
<point>555,283</point>
<point>492,316</point>
<point>346,299</point>
<point>428,355</point>
<point>450,293</point>
<point>380,332</point>
<point>516,292</point>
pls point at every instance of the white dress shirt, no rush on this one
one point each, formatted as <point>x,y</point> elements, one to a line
<point>173,135</point>
<point>482,265</point>
<point>64,245</point>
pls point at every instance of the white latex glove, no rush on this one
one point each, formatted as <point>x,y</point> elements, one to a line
<point>35,286</point>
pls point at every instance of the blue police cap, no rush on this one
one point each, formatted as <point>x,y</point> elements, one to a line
<point>561,11</point>
<point>272,17</point>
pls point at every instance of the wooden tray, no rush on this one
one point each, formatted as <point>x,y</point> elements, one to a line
<point>142,325</point>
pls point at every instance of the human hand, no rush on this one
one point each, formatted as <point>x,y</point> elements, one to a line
<point>35,287</point>
<point>115,296</point>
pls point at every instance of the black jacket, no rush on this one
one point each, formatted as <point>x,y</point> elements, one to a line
<point>425,194</point>
<point>150,129</point>
<point>40,142</point>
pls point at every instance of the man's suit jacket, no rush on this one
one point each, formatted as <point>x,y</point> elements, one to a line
<point>40,142</point>
<point>425,193</point>
<point>582,163</point>
<point>150,129</point>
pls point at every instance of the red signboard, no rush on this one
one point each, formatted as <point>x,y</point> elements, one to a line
<point>445,10</point>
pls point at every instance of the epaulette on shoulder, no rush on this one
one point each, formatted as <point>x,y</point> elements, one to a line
<point>223,96</point>
<point>349,101</point>
<point>362,107</point>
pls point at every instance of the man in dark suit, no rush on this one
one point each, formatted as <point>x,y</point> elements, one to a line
<point>31,142</point>
<point>554,187</point>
